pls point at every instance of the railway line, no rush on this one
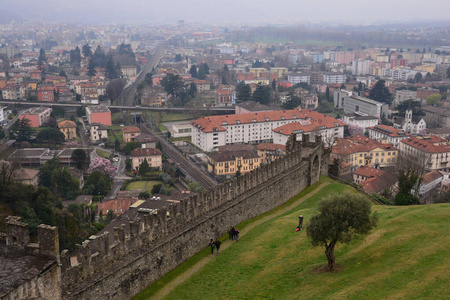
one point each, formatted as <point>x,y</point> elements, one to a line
<point>191,169</point>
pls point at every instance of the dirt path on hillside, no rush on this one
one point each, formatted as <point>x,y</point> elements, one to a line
<point>191,271</point>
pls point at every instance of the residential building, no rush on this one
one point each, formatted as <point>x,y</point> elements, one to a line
<point>250,107</point>
<point>208,133</point>
<point>281,71</point>
<point>403,95</point>
<point>298,78</point>
<point>98,132</point>
<point>202,85</point>
<point>423,93</point>
<point>14,92</point>
<point>363,122</point>
<point>46,94</point>
<point>334,78</point>
<point>430,181</point>
<point>361,67</point>
<point>146,141</point>
<point>268,152</point>
<point>152,155</point>
<point>365,106</point>
<point>310,101</point>
<point>68,128</point>
<point>228,163</point>
<point>431,151</point>
<point>363,151</point>
<point>26,176</point>
<point>339,97</point>
<point>436,116</point>
<point>225,95</point>
<point>2,115</point>
<point>316,124</point>
<point>128,71</point>
<point>36,115</point>
<point>388,134</point>
<point>363,173</point>
<point>440,132</point>
<point>375,181</point>
<point>116,206</point>
<point>344,57</point>
<point>130,133</point>
<point>98,114</point>
<point>181,130</point>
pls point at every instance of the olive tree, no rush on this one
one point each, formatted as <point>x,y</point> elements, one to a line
<point>339,219</point>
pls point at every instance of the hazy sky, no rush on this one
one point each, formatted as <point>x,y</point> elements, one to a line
<point>168,11</point>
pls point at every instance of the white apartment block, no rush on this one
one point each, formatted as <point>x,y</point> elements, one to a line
<point>361,67</point>
<point>403,95</point>
<point>208,133</point>
<point>334,78</point>
<point>298,78</point>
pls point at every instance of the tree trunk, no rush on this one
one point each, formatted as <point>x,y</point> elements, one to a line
<point>329,252</point>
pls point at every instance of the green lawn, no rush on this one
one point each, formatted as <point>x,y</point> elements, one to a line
<point>162,127</point>
<point>406,257</point>
<point>141,185</point>
<point>117,131</point>
<point>102,153</point>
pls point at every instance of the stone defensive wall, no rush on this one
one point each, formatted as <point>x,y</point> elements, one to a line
<point>160,242</point>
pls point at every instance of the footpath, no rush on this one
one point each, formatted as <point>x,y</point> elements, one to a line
<point>168,288</point>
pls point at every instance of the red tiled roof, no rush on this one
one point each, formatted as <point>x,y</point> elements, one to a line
<point>389,130</point>
<point>131,129</point>
<point>429,144</point>
<point>67,124</point>
<point>46,88</point>
<point>271,147</point>
<point>145,152</point>
<point>319,122</point>
<point>214,123</point>
<point>117,206</point>
<point>369,172</point>
<point>431,176</point>
<point>358,143</point>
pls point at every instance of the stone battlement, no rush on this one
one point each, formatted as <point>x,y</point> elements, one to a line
<point>159,242</point>
<point>121,264</point>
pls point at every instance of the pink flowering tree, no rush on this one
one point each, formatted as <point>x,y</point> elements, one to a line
<point>354,130</point>
<point>103,165</point>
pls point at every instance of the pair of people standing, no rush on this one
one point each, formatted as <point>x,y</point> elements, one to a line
<point>233,233</point>
<point>215,244</point>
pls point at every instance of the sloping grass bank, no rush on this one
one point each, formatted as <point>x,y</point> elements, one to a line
<point>406,257</point>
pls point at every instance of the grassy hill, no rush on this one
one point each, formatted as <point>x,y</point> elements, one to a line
<point>406,257</point>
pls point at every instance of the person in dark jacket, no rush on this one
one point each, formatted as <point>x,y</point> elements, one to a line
<point>212,245</point>
<point>300,222</point>
<point>217,244</point>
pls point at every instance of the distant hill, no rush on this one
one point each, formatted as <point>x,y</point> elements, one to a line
<point>405,257</point>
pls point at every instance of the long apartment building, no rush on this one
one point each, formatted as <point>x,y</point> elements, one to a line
<point>431,151</point>
<point>208,133</point>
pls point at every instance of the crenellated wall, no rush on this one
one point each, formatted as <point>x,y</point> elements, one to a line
<point>159,242</point>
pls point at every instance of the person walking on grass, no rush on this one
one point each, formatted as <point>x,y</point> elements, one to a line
<point>217,244</point>
<point>212,245</point>
<point>300,222</point>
